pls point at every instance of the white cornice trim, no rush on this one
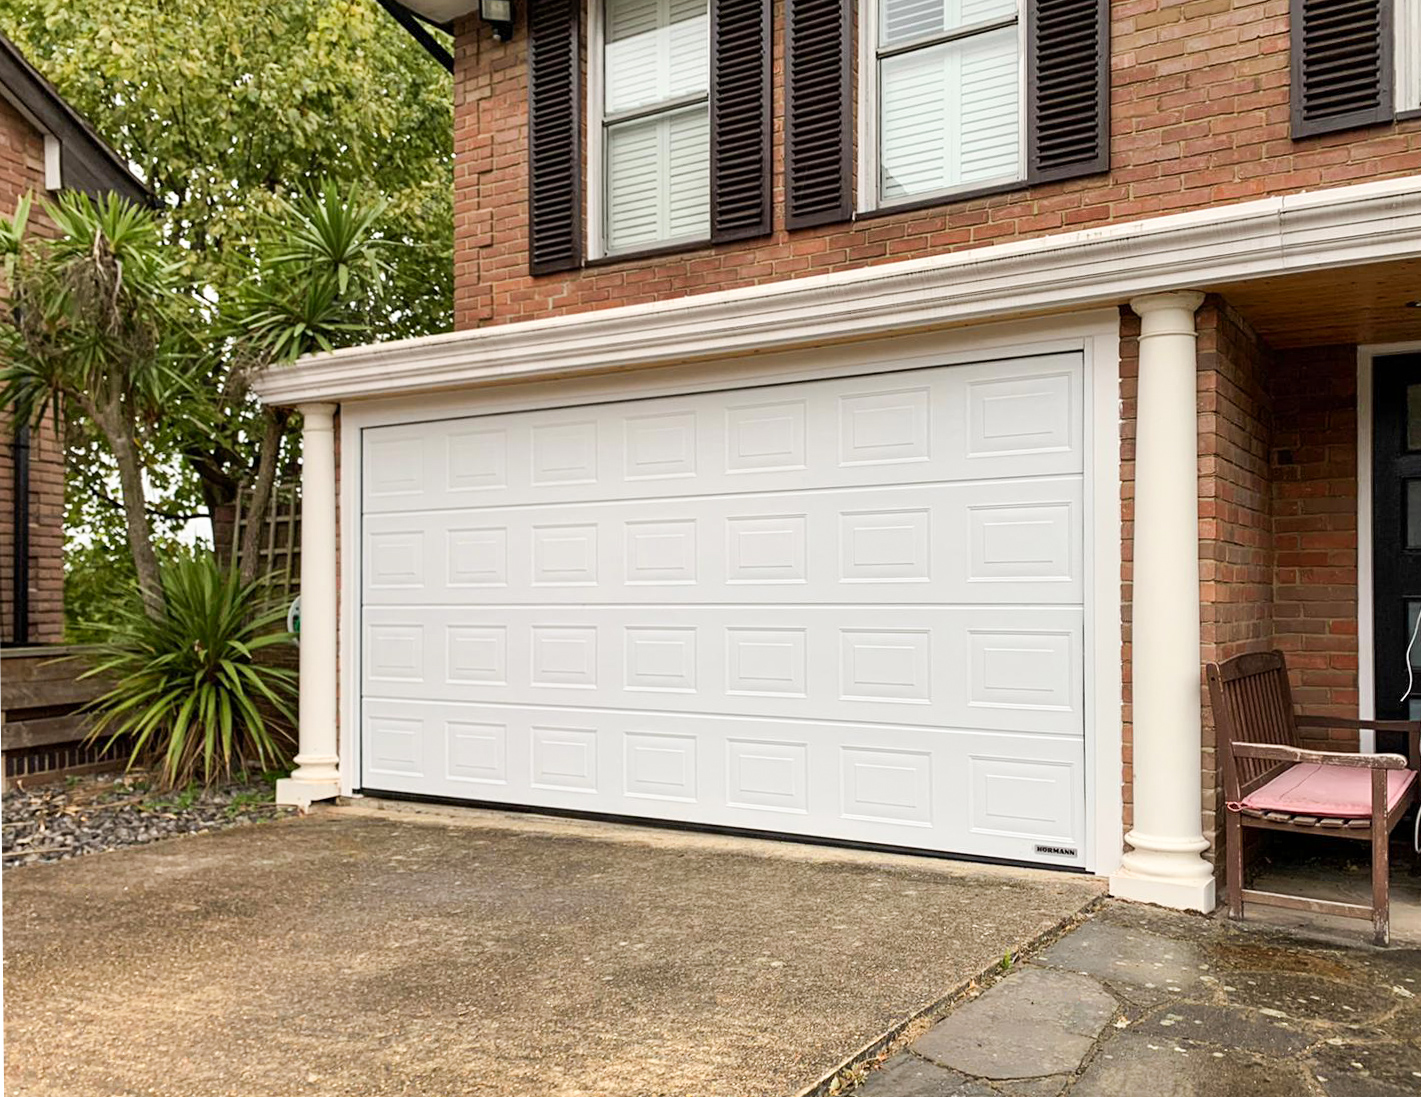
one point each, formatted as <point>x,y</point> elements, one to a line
<point>1337,227</point>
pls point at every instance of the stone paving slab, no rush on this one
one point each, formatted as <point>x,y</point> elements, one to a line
<point>1198,1007</point>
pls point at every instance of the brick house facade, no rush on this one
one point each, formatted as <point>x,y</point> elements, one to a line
<point>1234,216</point>
<point>44,145</point>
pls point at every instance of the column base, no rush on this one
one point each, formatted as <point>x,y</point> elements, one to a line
<point>302,793</point>
<point>1181,894</point>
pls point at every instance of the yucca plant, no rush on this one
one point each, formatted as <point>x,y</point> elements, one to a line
<point>188,689</point>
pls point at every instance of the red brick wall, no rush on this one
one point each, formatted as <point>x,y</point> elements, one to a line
<point>1199,117</point>
<point>22,171</point>
<point>1314,473</point>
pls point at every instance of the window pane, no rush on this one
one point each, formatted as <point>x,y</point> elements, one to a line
<point>1413,417</point>
<point>950,116</point>
<point>658,180</point>
<point>657,50</point>
<point>1413,514</point>
<point>909,20</point>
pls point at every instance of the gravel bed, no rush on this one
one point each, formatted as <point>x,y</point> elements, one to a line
<point>54,822</point>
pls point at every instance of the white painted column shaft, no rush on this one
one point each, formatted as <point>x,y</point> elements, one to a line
<point>1164,864</point>
<point>317,776</point>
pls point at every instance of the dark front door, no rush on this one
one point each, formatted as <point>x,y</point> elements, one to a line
<point>1396,533</point>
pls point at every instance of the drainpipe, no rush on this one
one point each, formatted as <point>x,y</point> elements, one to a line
<point>20,605</point>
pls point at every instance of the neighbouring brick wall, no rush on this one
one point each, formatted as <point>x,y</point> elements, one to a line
<point>21,172</point>
<point>1314,474</point>
<point>1199,116</point>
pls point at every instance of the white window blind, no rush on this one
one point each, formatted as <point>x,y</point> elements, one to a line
<point>949,96</point>
<point>656,123</point>
<point>1408,55</point>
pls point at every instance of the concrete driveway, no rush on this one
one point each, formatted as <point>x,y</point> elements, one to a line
<point>445,953</point>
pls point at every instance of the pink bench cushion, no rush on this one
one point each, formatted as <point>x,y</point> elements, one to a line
<point>1311,789</point>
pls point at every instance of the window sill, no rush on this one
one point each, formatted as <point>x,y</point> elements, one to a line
<point>937,200</point>
<point>657,252</point>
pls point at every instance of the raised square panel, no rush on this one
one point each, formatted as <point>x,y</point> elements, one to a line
<point>884,666</point>
<point>477,459</point>
<point>661,659</point>
<point>886,545</point>
<point>565,453</point>
<point>766,550</point>
<point>661,446</point>
<point>1021,670</point>
<point>770,661</point>
<point>565,759</point>
<point>660,767</point>
<point>394,746</point>
<point>886,786</point>
<point>394,466</point>
<point>395,653</point>
<point>1019,415</point>
<point>564,556</point>
<point>884,427</point>
<point>661,552</point>
<point>1009,543</point>
<point>478,557</point>
<point>767,776</point>
<point>1022,799</point>
<point>760,437</point>
<point>565,655</point>
<point>396,560</point>
<point>477,752</point>
<point>478,653</point>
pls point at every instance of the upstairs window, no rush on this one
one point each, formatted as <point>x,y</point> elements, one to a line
<point>655,124</point>
<point>949,105</point>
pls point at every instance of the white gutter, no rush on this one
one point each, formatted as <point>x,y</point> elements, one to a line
<point>1338,227</point>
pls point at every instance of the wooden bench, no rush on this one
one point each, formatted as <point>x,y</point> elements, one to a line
<point>1272,783</point>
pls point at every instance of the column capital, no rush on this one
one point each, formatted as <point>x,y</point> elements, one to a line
<point>317,416</point>
<point>1185,300</point>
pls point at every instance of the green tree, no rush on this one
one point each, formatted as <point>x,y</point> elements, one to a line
<point>228,109</point>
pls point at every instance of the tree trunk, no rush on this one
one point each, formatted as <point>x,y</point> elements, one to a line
<point>118,429</point>
<point>273,430</point>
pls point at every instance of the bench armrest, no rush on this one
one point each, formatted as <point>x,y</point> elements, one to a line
<point>1275,753</point>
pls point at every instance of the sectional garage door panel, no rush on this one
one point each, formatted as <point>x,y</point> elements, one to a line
<point>850,608</point>
<point>975,542</point>
<point>967,792</point>
<point>1020,417</point>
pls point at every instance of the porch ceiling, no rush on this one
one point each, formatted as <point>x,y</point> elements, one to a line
<point>1359,304</point>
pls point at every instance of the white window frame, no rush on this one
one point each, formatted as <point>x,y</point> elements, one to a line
<point>869,100</point>
<point>595,192</point>
<point>1406,56</point>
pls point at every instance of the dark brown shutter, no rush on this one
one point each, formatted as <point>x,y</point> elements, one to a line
<point>1067,88</point>
<point>818,112</point>
<point>554,136</point>
<point>740,119</point>
<point>1342,64</point>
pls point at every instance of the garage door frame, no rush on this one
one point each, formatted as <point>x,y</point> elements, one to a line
<point>1094,334</point>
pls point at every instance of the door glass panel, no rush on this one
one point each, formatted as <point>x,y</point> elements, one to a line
<point>1413,703</point>
<point>1413,417</point>
<point>1413,514</point>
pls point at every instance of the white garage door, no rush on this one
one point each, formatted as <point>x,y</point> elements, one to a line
<point>848,608</point>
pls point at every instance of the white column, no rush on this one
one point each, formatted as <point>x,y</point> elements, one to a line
<point>317,776</point>
<point>1164,865</point>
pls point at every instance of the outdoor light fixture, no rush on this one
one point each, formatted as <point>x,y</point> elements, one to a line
<point>499,15</point>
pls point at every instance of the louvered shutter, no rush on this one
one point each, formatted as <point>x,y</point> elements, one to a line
<point>740,119</point>
<point>1341,64</point>
<point>554,137</point>
<point>1068,88</point>
<point>818,112</point>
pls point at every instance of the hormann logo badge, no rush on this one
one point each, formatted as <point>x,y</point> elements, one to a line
<point>1056,851</point>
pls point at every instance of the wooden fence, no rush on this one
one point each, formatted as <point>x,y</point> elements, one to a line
<point>42,727</point>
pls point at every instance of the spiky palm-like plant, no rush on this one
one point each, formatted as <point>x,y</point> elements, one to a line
<point>188,687</point>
